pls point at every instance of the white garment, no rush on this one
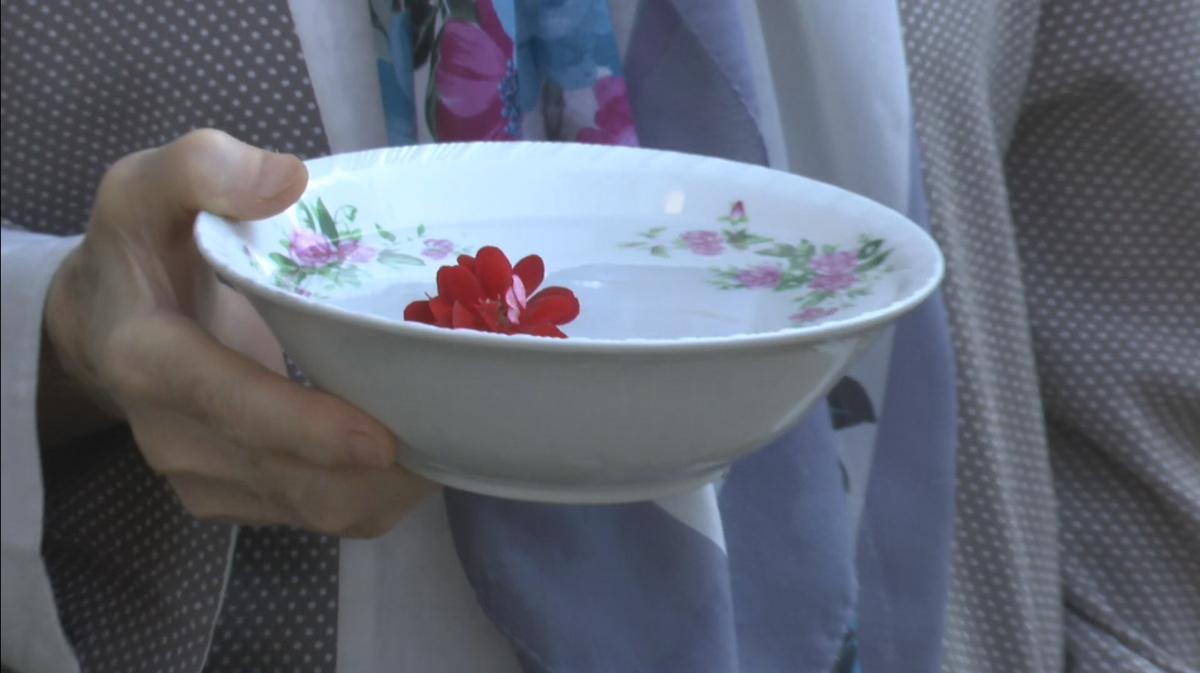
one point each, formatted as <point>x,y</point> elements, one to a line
<point>404,602</point>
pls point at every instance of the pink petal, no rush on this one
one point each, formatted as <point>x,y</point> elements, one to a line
<point>515,299</point>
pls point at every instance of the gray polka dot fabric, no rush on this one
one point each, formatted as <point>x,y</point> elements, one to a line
<point>1104,175</point>
<point>86,83</point>
<point>138,583</point>
<point>1062,163</point>
<point>280,613</point>
<point>968,63</point>
<point>281,609</point>
<point>136,579</point>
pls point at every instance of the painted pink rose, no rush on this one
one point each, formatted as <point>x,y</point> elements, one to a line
<point>815,313</point>
<point>835,263</point>
<point>437,248</point>
<point>764,275</point>
<point>613,119</point>
<point>476,80</point>
<point>738,212</point>
<point>310,249</point>
<point>704,242</point>
<point>835,271</point>
<point>833,282</point>
<point>353,251</point>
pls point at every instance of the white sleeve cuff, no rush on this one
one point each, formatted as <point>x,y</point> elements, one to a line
<point>32,637</point>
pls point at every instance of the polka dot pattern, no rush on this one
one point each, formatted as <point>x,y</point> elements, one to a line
<point>87,82</point>
<point>281,607</point>
<point>280,612</point>
<point>1061,145</point>
<point>968,63</point>
<point>1105,180</point>
<point>136,579</point>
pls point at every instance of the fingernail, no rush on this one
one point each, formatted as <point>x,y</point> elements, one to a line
<point>275,175</point>
<point>370,450</point>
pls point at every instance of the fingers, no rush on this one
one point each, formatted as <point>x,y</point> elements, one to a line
<point>168,360</point>
<point>211,499</point>
<point>219,481</point>
<point>356,504</point>
<point>203,170</point>
<point>346,503</point>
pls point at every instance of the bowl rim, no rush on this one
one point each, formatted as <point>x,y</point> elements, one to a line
<point>353,161</point>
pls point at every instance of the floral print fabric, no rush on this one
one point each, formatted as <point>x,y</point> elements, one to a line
<point>465,70</point>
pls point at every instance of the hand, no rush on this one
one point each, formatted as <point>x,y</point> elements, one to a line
<point>135,317</point>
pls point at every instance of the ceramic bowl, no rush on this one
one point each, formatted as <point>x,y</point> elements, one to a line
<point>718,301</point>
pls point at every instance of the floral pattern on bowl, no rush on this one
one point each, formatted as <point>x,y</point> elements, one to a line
<point>825,279</point>
<point>327,252</point>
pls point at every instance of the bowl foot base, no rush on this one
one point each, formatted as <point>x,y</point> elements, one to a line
<point>600,493</point>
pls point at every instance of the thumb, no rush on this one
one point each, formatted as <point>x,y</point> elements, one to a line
<point>207,170</point>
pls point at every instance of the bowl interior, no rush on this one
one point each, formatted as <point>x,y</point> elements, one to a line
<point>656,245</point>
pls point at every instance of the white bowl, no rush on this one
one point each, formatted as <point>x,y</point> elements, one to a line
<point>719,301</point>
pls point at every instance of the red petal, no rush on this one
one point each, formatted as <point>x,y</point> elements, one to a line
<point>553,305</point>
<point>545,331</point>
<point>467,261</point>
<point>419,311</point>
<point>464,318</point>
<point>532,271</point>
<point>489,313</point>
<point>442,313</point>
<point>457,284</point>
<point>495,272</point>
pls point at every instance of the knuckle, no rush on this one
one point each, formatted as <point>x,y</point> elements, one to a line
<point>200,141</point>
<point>118,181</point>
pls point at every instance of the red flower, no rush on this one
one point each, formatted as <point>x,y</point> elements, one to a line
<point>487,293</point>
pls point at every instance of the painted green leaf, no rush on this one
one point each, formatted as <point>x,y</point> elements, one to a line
<point>283,261</point>
<point>398,259</point>
<point>874,261</point>
<point>385,234</point>
<point>814,299</point>
<point>660,251</point>
<point>632,244</point>
<point>742,239</point>
<point>325,221</point>
<point>869,248</point>
<point>780,250</point>
<point>306,215</point>
<point>346,212</point>
<point>653,232</point>
<point>420,230</point>
<point>792,281</point>
<point>828,249</point>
